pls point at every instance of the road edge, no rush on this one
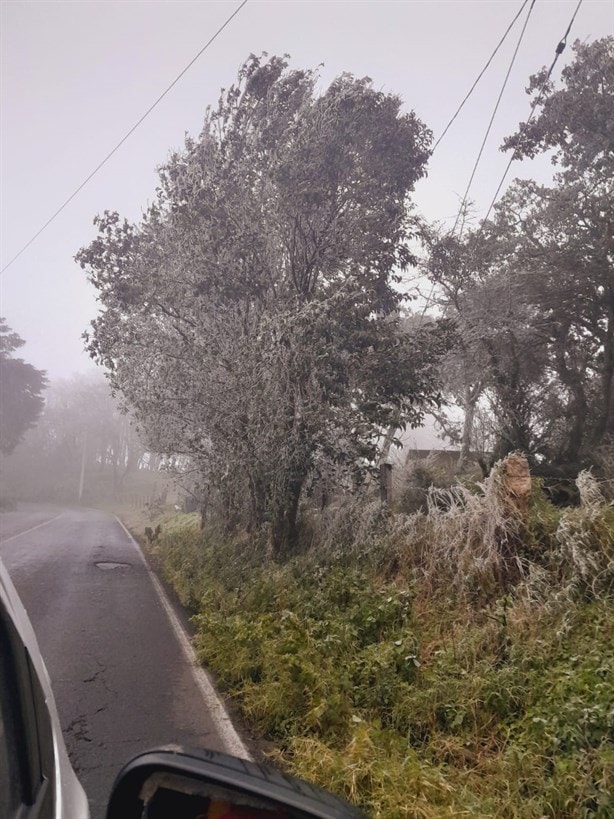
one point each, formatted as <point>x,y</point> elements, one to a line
<point>216,708</point>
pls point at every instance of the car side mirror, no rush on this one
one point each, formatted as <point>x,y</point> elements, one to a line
<point>177,783</point>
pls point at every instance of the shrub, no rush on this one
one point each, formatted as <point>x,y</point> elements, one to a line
<point>586,538</point>
<point>398,670</point>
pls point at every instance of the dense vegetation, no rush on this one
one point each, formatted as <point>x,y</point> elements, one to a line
<point>450,656</point>
<point>256,318</point>
<point>531,290</point>
<point>400,670</point>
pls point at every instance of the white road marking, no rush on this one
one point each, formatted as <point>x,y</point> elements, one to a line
<point>219,715</point>
<point>31,529</point>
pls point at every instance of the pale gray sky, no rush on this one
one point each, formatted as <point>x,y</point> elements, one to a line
<point>77,75</point>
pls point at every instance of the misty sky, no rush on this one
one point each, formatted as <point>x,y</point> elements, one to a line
<point>77,75</point>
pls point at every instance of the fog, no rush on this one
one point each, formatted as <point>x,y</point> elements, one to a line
<point>82,448</point>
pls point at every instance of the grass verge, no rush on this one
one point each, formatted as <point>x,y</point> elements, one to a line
<point>403,694</point>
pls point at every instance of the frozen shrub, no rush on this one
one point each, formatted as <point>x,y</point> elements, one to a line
<point>586,539</point>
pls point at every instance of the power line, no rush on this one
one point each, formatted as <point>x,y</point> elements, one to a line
<point>130,132</point>
<point>480,75</point>
<point>559,50</point>
<point>492,118</point>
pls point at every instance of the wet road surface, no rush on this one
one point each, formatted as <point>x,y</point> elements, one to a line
<point>121,679</point>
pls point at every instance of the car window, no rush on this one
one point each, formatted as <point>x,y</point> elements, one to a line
<point>26,743</point>
<point>13,769</point>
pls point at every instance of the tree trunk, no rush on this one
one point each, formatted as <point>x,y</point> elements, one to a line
<point>578,410</point>
<point>607,377</point>
<point>389,438</point>
<point>284,525</point>
<point>470,401</point>
<point>257,502</point>
<point>82,472</point>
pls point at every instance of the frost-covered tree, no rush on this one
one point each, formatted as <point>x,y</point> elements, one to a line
<point>251,317</point>
<point>532,290</point>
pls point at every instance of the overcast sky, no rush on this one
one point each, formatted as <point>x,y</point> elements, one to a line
<point>77,75</point>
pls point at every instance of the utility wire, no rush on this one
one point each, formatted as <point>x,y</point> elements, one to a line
<point>559,50</point>
<point>492,118</point>
<point>130,132</point>
<point>480,75</point>
<point>457,112</point>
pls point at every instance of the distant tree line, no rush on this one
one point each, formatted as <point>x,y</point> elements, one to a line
<point>83,446</point>
<point>21,391</point>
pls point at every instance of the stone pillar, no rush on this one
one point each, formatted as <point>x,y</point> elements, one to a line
<point>516,483</point>
<point>515,489</point>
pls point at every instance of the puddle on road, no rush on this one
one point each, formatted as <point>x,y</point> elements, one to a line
<point>111,565</point>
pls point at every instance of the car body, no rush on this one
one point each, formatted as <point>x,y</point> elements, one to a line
<point>36,777</point>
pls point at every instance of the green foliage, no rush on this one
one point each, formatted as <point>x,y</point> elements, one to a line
<point>399,696</point>
<point>303,629</point>
<point>179,549</point>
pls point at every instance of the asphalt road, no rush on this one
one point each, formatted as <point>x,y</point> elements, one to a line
<point>122,679</point>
